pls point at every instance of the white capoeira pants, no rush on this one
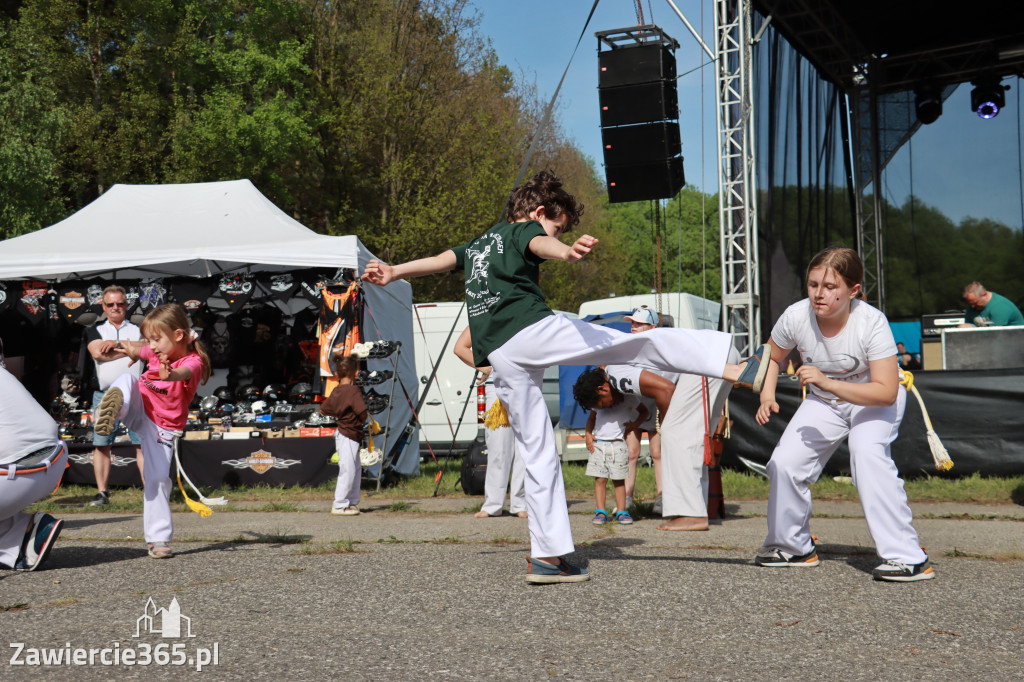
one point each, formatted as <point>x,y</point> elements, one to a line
<point>350,472</point>
<point>519,366</point>
<point>502,459</point>
<point>18,492</point>
<point>811,437</point>
<point>157,454</point>
<point>684,478</point>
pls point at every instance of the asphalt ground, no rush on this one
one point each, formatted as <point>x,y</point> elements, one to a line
<point>431,593</point>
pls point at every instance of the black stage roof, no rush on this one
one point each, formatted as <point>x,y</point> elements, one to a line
<point>915,43</point>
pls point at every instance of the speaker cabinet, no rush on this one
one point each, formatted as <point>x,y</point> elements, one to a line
<point>642,103</point>
<point>661,179</point>
<point>640,143</point>
<point>635,64</point>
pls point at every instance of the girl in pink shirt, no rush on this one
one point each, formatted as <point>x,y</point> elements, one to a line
<point>155,406</point>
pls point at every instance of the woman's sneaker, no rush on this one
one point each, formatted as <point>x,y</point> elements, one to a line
<point>106,415</point>
<point>774,558</point>
<point>562,572</point>
<point>899,572</point>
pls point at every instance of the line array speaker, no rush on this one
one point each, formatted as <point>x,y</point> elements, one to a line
<point>639,117</point>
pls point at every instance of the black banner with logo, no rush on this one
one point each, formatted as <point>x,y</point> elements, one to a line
<point>219,463</point>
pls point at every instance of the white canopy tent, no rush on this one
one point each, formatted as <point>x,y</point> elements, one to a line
<point>209,229</point>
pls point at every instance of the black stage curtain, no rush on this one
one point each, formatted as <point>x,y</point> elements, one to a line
<point>979,415</point>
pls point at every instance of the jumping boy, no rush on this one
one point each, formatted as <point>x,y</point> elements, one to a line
<point>515,331</point>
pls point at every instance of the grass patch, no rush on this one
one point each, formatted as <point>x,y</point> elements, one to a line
<point>272,538</point>
<point>736,485</point>
<point>13,607</point>
<point>336,547</point>
<point>279,507</point>
<point>67,601</point>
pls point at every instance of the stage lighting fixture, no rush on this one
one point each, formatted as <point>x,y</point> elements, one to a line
<point>988,97</point>
<point>928,104</point>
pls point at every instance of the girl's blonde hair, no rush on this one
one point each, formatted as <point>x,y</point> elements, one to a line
<point>169,318</point>
<point>845,262</point>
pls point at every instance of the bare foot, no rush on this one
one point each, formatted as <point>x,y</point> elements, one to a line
<point>522,514</point>
<point>481,515</point>
<point>685,523</point>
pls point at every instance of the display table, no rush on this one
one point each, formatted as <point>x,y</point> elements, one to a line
<point>218,463</point>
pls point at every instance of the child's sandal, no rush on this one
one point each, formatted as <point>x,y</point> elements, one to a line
<point>159,550</point>
<point>600,517</point>
<point>623,518</point>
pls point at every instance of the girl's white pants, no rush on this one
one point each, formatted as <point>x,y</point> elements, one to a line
<point>157,454</point>
<point>813,434</point>
<point>502,458</point>
<point>519,366</point>
<point>350,472</point>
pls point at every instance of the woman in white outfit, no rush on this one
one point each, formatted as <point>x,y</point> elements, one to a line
<point>853,381</point>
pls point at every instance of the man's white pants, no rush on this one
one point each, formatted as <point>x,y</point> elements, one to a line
<point>811,437</point>
<point>18,492</point>
<point>157,453</point>
<point>684,478</point>
<point>502,458</point>
<point>347,492</point>
<point>519,366</point>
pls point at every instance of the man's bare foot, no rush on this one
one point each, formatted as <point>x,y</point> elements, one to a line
<point>522,514</point>
<point>481,515</point>
<point>685,523</point>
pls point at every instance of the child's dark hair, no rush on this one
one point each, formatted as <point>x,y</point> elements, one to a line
<point>169,318</point>
<point>346,366</point>
<point>544,189</point>
<point>584,391</point>
<point>844,261</point>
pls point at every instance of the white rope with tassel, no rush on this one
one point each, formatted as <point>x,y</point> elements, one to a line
<point>202,507</point>
<point>939,453</point>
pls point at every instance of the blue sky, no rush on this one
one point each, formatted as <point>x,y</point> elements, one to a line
<point>963,165</point>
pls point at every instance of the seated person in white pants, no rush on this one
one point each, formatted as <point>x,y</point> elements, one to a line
<point>32,461</point>
<point>515,332</point>
<point>502,456</point>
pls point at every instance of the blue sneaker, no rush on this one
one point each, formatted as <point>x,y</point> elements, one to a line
<point>562,572</point>
<point>755,371</point>
<point>43,531</point>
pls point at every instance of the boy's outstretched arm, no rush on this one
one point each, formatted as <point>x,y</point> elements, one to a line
<point>382,273</point>
<point>550,248</point>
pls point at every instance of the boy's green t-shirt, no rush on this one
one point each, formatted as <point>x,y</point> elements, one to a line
<point>503,294</point>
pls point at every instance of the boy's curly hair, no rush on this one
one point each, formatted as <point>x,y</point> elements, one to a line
<point>584,391</point>
<point>544,189</point>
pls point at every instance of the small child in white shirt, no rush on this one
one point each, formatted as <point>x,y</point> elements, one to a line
<point>607,424</point>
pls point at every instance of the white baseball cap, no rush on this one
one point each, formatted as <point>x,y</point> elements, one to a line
<point>643,315</point>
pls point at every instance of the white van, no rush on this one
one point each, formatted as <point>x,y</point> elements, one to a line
<point>446,398</point>
<point>686,310</point>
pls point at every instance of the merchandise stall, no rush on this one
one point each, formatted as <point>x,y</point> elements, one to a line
<point>270,298</point>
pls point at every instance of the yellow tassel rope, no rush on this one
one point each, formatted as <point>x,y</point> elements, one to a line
<point>197,507</point>
<point>939,453</point>
<point>496,417</point>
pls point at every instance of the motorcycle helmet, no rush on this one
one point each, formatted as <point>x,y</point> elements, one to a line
<point>275,392</point>
<point>301,393</point>
<point>248,393</point>
<point>224,393</point>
